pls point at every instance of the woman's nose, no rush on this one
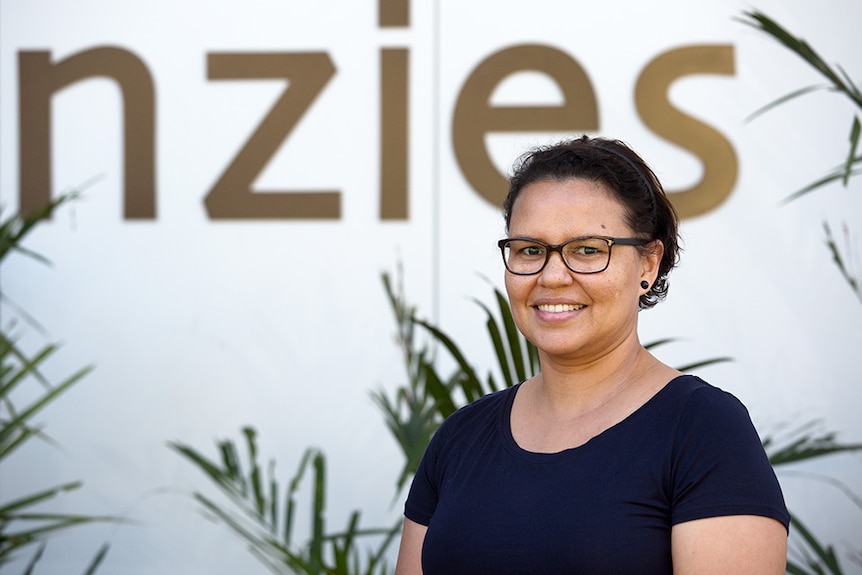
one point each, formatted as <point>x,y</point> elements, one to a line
<point>555,271</point>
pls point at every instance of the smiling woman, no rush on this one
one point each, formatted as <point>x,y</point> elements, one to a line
<point>607,461</point>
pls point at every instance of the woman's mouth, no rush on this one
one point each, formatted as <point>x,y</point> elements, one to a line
<point>559,307</point>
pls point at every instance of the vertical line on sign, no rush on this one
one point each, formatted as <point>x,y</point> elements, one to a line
<point>435,160</point>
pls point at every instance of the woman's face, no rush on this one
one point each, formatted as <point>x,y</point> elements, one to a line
<point>563,313</point>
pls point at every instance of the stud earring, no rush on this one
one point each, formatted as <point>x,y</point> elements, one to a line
<point>644,284</point>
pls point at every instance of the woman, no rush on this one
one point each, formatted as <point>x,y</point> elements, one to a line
<point>608,461</point>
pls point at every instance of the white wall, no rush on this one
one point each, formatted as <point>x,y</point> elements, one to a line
<point>197,327</point>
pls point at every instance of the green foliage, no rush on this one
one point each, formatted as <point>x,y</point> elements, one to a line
<point>23,525</point>
<point>257,513</point>
<point>413,414</point>
<point>19,526</point>
<point>843,266</point>
<point>837,81</point>
<point>806,554</point>
<point>811,556</point>
<point>805,443</point>
<point>14,229</point>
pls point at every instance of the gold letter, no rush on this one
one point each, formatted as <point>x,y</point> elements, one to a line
<point>393,13</point>
<point>719,160</point>
<point>394,141</point>
<point>39,80</point>
<point>231,197</point>
<point>474,116</point>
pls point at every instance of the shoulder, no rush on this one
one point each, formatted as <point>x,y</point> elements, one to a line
<point>687,386</point>
<point>694,398</point>
<point>480,413</point>
<point>706,413</point>
<point>706,404</point>
<point>464,432</point>
<point>718,461</point>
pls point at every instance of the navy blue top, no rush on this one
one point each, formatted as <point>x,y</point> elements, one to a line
<point>606,506</point>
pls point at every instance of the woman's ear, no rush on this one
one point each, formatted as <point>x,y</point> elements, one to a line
<point>651,261</point>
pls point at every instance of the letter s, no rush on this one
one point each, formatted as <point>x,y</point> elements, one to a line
<point>720,167</point>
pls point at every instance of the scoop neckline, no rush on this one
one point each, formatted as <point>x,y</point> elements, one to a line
<point>540,457</point>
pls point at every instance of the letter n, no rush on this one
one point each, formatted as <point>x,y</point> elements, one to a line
<point>39,80</point>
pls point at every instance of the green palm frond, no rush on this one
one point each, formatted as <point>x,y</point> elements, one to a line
<point>784,99</point>
<point>804,443</point>
<point>259,515</point>
<point>837,81</point>
<point>843,263</point>
<point>809,556</point>
<point>24,523</point>
<point>16,227</point>
<point>838,174</point>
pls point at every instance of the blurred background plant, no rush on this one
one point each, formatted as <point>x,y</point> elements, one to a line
<point>807,553</point>
<point>25,524</point>
<point>837,82</point>
<point>258,514</point>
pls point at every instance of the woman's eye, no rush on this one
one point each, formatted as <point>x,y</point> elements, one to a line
<point>586,248</point>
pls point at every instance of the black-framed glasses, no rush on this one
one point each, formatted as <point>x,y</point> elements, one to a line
<point>585,255</point>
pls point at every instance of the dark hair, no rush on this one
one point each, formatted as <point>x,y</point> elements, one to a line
<point>613,164</point>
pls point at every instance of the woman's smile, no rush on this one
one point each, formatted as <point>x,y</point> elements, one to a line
<point>558,307</point>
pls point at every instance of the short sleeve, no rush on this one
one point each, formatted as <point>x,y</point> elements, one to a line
<point>719,464</point>
<point>423,495</point>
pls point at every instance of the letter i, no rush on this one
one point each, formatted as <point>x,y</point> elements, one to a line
<point>394,129</point>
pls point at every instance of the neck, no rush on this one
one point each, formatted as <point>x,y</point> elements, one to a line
<point>570,390</point>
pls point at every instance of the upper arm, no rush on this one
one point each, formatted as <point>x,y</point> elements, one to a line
<point>739,544</point>
<point>410,551</point>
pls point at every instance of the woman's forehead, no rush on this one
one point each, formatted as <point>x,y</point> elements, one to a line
<point>573,207</point>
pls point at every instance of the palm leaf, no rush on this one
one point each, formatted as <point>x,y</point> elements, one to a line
<point>16,227</point>
<point>838,174</point>
<point>689,367</point>
<point>838,81</point>
<point>849,277</point>
<point>804,443</point>
<point>15,505</point>
<point>252,512</point>
<point>470,384</point>
<point>503,359</point>
<point>412,431</point>
<point>854,145</point>
<point>97,560</point>
<point>784,99</point>
<point>801,48</point>
<point>36,556</point>
<point>817,558</point>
